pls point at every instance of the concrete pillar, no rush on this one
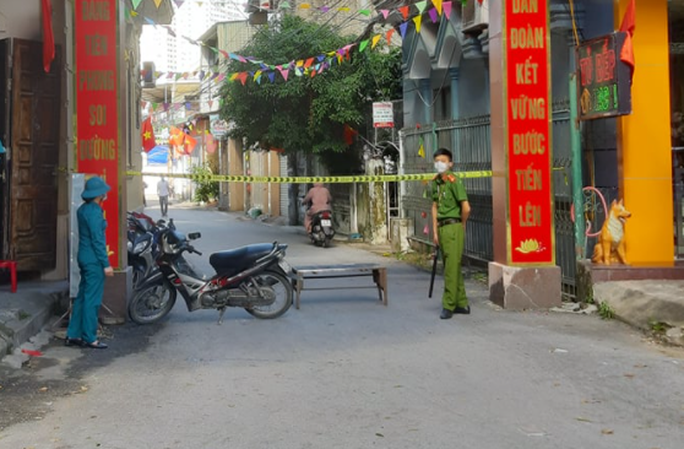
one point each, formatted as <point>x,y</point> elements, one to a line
<point>523,274</point>
<point>644,142</point>
<point>454,73</point>
<point>488,96</point>
<point>425,88</point>
<point>376,229</point>
<point>236,164</point>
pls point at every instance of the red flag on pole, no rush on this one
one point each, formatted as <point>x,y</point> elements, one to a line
<point>349,134</point>
<point>628,26</point>
<point>147,133</point>
<point>48,36</point>
<point>189,144</point>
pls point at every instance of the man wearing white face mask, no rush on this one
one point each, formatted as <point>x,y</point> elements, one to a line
<point>450,211</point>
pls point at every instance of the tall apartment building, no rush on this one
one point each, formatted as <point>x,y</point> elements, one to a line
<point>192,19</point>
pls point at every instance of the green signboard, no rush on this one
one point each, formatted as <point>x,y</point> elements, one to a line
<point>604,80</point>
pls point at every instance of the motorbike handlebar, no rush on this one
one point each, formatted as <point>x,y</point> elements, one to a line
<point>193,250</point>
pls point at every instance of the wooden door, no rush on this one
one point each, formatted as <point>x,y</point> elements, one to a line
<point>5,105</point>
<point>35,131</point>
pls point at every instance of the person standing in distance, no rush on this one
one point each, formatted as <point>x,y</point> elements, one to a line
<point>144,187</point>
<point>450,211</point>
<point>163,192</point>
<point>93,262</point>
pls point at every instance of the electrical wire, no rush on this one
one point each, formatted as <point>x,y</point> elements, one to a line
<point>336,28</point>
<point>224,63</point>
<point>291,33</point>
<point>574,22</point>
<point>441,87</point>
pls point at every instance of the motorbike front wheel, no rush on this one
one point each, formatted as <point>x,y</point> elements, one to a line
<point>282,290</point>
<point>152,303</point>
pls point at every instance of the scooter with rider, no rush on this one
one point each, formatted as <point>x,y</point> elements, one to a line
<point>318,218</point>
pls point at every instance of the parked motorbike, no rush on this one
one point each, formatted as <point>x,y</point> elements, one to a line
<point>143,248</point>
<point>252,277</point>
<point>322,231</point>
<point>141,256</point>
<point>139,222</point>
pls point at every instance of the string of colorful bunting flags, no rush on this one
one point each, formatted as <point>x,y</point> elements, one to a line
<point>266,5</point>
<point>168,106</point>
<point>200,75</point>
<point>315,65</point>
<point>440,8</point>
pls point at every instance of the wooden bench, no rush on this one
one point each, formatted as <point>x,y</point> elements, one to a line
<point>377,271</point>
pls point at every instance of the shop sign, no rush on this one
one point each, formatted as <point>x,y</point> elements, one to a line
<point>97,124</point>
<point>528,133</point>
<point>383,115</point>
<point>604,80</point>
<point>219,128</point>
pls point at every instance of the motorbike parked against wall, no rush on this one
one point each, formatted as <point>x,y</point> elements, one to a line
<point>143,249</point>
<point>141,256</point>
<point>139,222</point>
<point>253,277</point>
<point>322,230</point>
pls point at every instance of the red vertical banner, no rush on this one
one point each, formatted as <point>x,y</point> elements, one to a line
<point>97,117</point>
<point>531,235</point>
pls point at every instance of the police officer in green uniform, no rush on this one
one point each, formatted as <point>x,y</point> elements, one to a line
<point>450,211</point>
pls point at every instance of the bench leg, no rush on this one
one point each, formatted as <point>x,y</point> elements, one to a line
<point>300,285</point>
<point>383,282</point>
<point>380,279</point>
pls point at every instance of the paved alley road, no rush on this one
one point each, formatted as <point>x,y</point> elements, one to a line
<point>346,372</point>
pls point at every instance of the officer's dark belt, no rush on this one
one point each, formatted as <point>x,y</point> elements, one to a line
<point>448,221</point>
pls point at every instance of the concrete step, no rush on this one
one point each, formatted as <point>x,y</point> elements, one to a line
<point>651,305</point>
<point>24,313</point>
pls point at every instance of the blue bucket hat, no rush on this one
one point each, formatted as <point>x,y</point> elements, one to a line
<point>94,187</point>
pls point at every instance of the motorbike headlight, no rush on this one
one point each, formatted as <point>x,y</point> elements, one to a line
<point>129,246</point>
<point>141,246</point>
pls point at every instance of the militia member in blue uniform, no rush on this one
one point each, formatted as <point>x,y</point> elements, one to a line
<point>94,265</point>
<point>450,211</point>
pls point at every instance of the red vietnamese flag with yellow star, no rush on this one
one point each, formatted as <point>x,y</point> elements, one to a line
<point>189,144</point>
<point>147,133</point>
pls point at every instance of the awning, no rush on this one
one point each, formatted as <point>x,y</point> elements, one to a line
<point>158,155</point>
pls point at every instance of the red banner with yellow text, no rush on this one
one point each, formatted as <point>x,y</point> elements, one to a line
<point>531,237</point>
<point>97,130</point>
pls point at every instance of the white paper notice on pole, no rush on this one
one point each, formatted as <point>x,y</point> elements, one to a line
<point>383,115</point>
<point>77,186</point>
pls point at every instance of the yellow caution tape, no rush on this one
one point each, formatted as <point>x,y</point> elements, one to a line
<point>321,179</point>
<point>311,179</point>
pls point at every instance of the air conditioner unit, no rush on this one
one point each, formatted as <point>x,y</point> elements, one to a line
<point>149,79</point>
<point>258,11</point>
<point>475,16</point>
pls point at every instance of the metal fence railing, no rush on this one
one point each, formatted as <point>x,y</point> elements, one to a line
<point>678,197</point>
<point>469,138</point>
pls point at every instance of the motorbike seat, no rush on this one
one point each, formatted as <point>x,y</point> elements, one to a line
<point>234,260</point>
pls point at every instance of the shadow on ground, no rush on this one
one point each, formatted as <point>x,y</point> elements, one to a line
<point>27,393</point>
